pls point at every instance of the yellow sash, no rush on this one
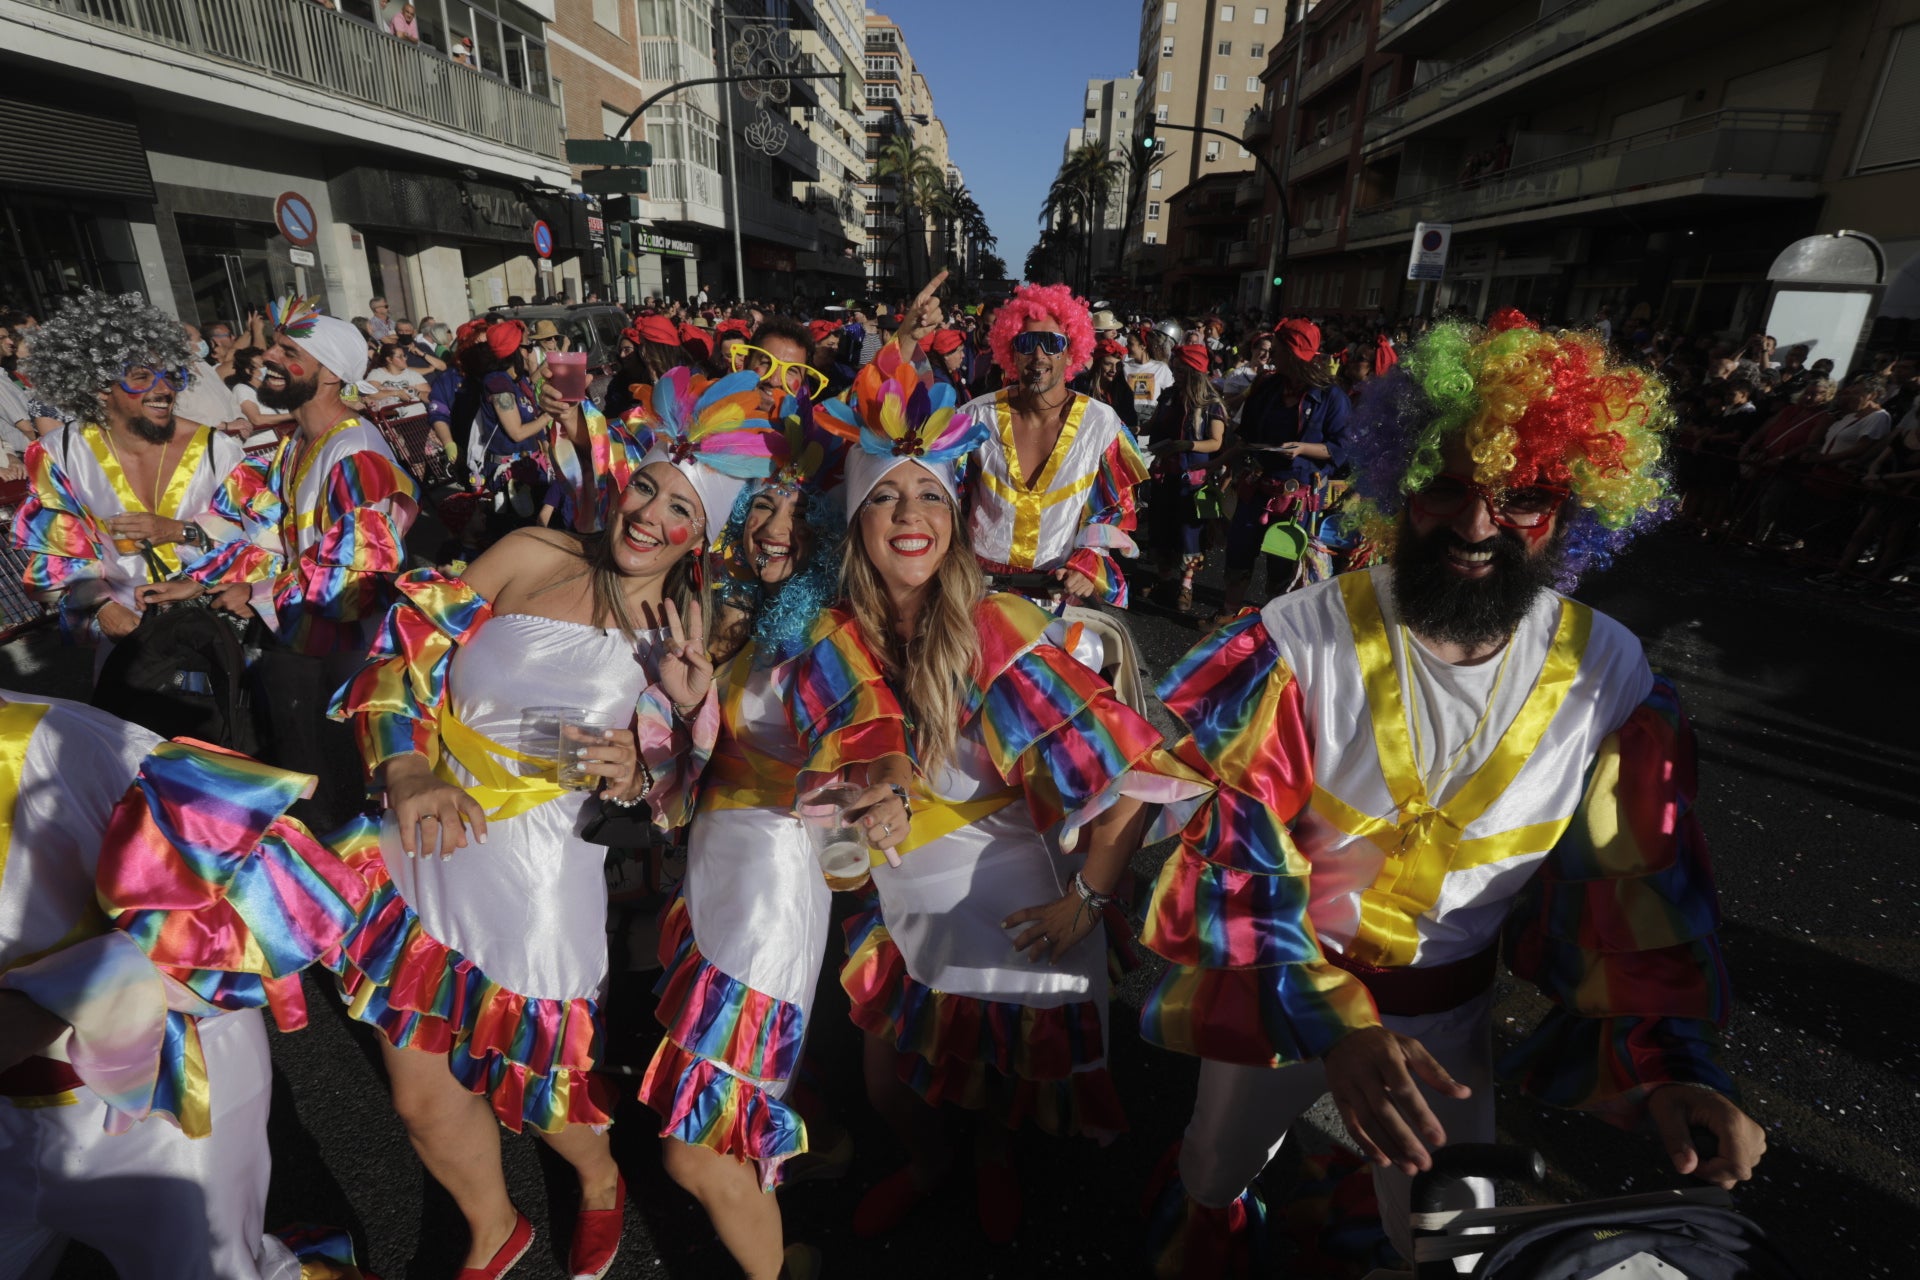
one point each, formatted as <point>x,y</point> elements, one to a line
<point>933,818</point>
<point>171,501</point>
<point>500,791</point>
<point>304,520</point>
<point>18,720</point>
<point>1425,841</point>
<point>1029,502</point>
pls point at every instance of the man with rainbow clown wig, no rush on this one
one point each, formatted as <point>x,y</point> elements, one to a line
<point>1431,766</point>
<point>154,897</point>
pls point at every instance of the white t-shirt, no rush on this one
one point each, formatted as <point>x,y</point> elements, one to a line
<point>1148,380</point>
<point>207,400</point>
<point>1849,431</point>
<point>405,380</point>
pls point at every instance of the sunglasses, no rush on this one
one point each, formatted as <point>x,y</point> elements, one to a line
<point>1525,508</point>
<point>1027,343</point>
<point>138,379</point>
<point>789,375</point>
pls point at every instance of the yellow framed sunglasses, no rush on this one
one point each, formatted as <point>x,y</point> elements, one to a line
<point>790,376</point>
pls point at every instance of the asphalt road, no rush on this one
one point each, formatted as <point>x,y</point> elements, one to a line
<point>1805,704</point>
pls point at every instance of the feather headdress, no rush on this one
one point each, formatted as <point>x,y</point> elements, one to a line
<point>293,315</point>
<point>714,432</point>
<point>900,414</point>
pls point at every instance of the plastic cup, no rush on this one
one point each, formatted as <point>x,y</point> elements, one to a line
<point>838,845</point>
<point>567,375</point>
<point>540,736</point>
<point>581,731</point>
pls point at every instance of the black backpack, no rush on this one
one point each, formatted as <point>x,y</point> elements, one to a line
<point>1696,1241</point>
<point>182,675</point>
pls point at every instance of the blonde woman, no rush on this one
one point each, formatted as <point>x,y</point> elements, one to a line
<point>980,973</point>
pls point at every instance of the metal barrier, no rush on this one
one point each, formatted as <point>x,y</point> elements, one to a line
<point>19,612</point>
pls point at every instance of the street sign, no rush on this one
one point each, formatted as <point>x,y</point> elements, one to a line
<point>293,214</point>
<point>606,182</point>
<point>301,257</point>
<point>1428,261</point>
<point>622,153</point>
<point>543,239</point>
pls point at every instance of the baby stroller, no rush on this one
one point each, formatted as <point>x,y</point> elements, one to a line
<point>1689,1234</point>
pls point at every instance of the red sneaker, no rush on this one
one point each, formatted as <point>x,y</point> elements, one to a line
<point>509,1253</point>
<point>596,1237</point>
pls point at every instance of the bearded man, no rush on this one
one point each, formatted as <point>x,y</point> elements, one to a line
<point>326,516</point>
<point>1429,766</point>
<point>124,483</point>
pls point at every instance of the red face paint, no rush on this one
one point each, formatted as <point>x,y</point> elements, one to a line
<point>678,535</point>
<point>295,369</point>
<point>1536,534</point>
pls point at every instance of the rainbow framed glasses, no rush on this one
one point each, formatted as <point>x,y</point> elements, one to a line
<point>138,379</point>
<point>788,375</point>
<point>1528,507</point>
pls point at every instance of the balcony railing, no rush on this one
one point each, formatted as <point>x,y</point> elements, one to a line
<point>1577,23</point>
<point>1240,253</point>
<point>315,49</point>
<point>1766,145</point>
<point>1311,239</point>
<point>1403,11</point>
<point>1259,124</point>
<point>1333,64</point>
<point>684,180</point>
<point>1248,191</point>
<point>1316,154</point>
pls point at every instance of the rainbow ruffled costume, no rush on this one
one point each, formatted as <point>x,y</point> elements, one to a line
<point>1388,825</point>
<point>496,957</point>
<point>586,491</point>
<point>154,896</point>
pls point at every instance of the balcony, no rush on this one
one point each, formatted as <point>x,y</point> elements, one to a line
<point>1333,64</point>
<point>1422,27</point>
<point>1259,125</point>
<point>1240,253</point>
<point>1738,153</point>
<point>1570,32</point>
<point>696,188</point>
<point>779,220</point>
<point>1249,191</point>
<point>305,50</point>
<point>1321,152</point>
<point>1312,238</point>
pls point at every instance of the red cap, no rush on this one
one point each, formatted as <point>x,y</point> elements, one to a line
<point>658,329</point>
<point>944,340</point>
<point>733,326</point>
<point>821,328</point>
<point>1192,357</point>
<point>692,337</point>
<point>1110,347</point>
<point>1384,356</point>
<point>470,332</point>
<point>1302,337</point>
<point>504,338</point>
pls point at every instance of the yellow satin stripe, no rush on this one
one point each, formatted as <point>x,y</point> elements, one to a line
<point>304,520</point>
<point>18,720</point>
<point>1029,501</point>
<point>500,791</point>
<point>172,502</point>
<point>935,818</point>
<point>196,1109</point>
<point>67,1099</point>
<point>1425,842</point>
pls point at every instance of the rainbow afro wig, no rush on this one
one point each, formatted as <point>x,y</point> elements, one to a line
<point>1042,302</point>
<point>1531,408</point>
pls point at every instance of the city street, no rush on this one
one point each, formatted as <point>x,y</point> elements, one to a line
<point>1804,711</point>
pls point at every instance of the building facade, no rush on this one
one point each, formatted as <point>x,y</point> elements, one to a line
<point>903,240</point>
<point>158,148</point>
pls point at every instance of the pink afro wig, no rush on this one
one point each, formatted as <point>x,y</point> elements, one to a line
<point>1039,302</point>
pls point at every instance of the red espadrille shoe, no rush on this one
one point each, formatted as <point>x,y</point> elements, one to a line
<point>596,1237</point>
<point>509,1253</point>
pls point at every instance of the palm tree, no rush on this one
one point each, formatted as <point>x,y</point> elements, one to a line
<point>912,167</point>
<point>1079,195</point>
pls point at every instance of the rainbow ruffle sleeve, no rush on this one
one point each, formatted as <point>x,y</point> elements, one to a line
<point>394,700</point>
<point>840,705</point>
<point>66,549</point>
<point>1248,983</point>
<point>1619,930</point>
<point>676,752</point>
<point>1111,518</point>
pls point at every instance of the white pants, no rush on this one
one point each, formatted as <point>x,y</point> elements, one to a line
<point>1243,1113</point>
<point>159,1205</point>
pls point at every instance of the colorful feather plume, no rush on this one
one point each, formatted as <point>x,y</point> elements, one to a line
<point>717,423</point>
<point>294,315</point>
<point>902,412</point>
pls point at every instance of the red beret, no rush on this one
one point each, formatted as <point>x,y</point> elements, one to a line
<point>504,337</point>
<point>1110,347</point>
<point>658,329</point>
<point>944,340</point>
<point>692,337</point>
<point>1302,337</point>
<point>1193,357</point>
<point>733,326</point>
<point>821,328</point>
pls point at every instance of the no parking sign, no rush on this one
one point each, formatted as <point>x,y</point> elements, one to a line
<point>543,239</point>
<point>293,214</point>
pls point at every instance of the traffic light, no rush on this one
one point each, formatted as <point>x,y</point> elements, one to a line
<point>1149,143</point>
<point>1277,282</point>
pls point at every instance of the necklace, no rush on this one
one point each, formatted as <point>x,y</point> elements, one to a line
<point>1419,739</point>
<point>159,469</point>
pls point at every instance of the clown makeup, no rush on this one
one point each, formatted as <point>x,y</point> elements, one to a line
<point>776,539</point>
<point>287,382</point>
<point>660,518</point>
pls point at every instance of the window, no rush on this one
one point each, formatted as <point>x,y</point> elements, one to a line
<point>1123,114</point>
<point>1283,92</point>
<point>1225,48</point>
<point>1253,84</point>
<point>1160,114</point>
<point>1258,50</point>
<point>1379,89</point>
<point>1259,17</point>
<point>1171,12</point>
<point>607,14</point>
<point>1213,149</point>
<point>1153,237</point>
<point>1217,115</point>
<point>1266,229</point>
<point>1153,211</point>
<point>1244,153</point>
<point>1166,82</point>
<point>1226,13</point>
<point>1337,295</point>
<point>611,118</point>
<point>1892,135</point>
<point>1166,47</point>
<point>1220,83</point>
<point>1154,181</point>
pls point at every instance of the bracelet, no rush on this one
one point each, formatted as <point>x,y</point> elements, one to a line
<point>618,803</point>
<point>1097,901</point>
<point>687,712</point>
<point>901,794</point>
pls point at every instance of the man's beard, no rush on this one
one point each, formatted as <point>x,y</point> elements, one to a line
<point>149,430</point>
<point>291,394</point>
<point>1438,604</point>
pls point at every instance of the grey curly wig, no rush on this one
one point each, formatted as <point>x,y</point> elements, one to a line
<point>83,350</point>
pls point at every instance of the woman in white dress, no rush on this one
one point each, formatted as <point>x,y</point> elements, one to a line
<point>980,974</point>
<point>483,967</point>
<point>743,944</point>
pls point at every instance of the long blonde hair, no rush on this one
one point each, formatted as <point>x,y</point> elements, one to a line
<point>926,672</point>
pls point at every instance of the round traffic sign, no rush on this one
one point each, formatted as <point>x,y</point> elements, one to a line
<point>1432,241</point>
<point>293,214</point>
<point>543,239</point>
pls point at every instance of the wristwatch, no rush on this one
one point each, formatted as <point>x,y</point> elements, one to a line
<point>192,535</point>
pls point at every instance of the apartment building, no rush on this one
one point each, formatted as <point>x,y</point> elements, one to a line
<point>1652,158</point>
<point>1200,65</point>
<point>150,147</point>
<point>1110,115</point>
<point>900,105</point>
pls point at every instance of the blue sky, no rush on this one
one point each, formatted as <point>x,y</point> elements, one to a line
<point>1009,79</point>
